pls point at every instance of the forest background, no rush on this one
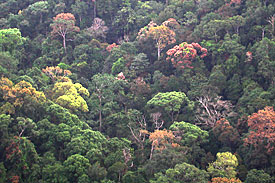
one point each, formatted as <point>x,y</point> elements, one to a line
<point>136,91</point>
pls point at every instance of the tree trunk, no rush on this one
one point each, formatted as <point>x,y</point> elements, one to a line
<point>40,21</point>
<point>64,44</point>
<point>100,114</point>
<point>158,52</point>
<point>94,9</point>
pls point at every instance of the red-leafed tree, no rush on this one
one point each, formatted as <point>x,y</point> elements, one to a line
<point>262,129</point>
<point>64,24</point>
<point>111,46</point>
<point>183,54</point>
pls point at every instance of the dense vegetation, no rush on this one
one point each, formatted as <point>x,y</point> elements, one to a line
<point>136,91</point>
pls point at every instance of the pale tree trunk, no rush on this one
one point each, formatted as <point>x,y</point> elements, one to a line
<point>216,39</point>
<point>64,43</point>
<point>94,9</point>
<point>100,114</point>
<point>152,150</point>
<point>158,52</point>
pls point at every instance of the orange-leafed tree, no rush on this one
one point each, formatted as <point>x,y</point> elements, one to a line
<point>225,180</point>
<point>162,35</point>
<point>64,24</point>
<point>21,93</point>
<point>160,139</point>
<point>262,129</point>
<point>56,73</point>
<point>183,54</point>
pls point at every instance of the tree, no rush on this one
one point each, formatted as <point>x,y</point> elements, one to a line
<point>76,166</point>
<point>161,34</point>
<point>262,129</point>
<point>104,89</point>
<point>159,139</point>
<point>263,55</point>
<point>212,28</point>
<point>98,30</point>
<point>64,24</point>
<point>171,103</point>
<point>183,54</point>
<point>236,22</point>
<point>56,73</point>
<point>182,173</point>
<point>26,125</point>
<point>189,134</point>
<point>125,20</point>
<point>255,176</point>
<point>139,64</point>
<point>226,133</point>
<point>224,166</point>
<point>38,9</point>
<point>69,95</point>
<point>193,139</point>
<point>22,159</point>
<point>21,93</point>
<point>10,39</point>
<point>271,21</point>
<point>225,180</point>
<point>138,128</point>
<point>211,109</point>
<point>82,10</point>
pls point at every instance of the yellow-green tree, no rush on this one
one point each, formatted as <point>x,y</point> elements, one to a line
<point>224,166</point>
<point>10,39</point>
<point>69,95</point>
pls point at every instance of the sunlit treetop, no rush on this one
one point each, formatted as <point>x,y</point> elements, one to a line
<point>10,39</point>
<point>56,73</point>
<point>162,34</point>
<point>183,54</point>
<point>21,93</point>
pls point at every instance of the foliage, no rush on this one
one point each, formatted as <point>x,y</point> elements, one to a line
<point>160,138</point>
<point>20,93</point>
<point>261,132</point>
<point>183,54</point>
<point>170,103</point>
<point>10,39</point>
<point>56,73</point>
<point>69,95</point>
<point>225,180</point>
<point>190,134</point>
<point>89,87</point>
<point>182,173</point>
<point>63,24</point>
<point>224,166</point>
<point>162,34</point>
<point>258,176</point>
<point>226,133</point>
<point>211,109</point>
